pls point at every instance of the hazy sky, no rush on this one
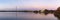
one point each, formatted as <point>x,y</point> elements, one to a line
<point>28,4</point>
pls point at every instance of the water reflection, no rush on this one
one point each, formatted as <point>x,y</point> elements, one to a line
<point>56,14</point>
<point>36,16</point>
<point>26,16</point>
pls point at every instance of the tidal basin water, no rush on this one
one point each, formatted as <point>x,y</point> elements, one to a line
<point>26,16</point>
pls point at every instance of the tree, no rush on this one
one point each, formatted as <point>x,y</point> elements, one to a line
<point>57,13</point>
<point>46,11</point>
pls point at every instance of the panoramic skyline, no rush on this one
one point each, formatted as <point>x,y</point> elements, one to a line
<point>29,4</point>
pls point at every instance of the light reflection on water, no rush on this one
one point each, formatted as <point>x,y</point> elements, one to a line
<point>26,16</point>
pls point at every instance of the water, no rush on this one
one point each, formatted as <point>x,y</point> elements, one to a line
<point>26,16</point>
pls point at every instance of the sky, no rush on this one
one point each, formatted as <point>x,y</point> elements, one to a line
<point>29,4</point>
